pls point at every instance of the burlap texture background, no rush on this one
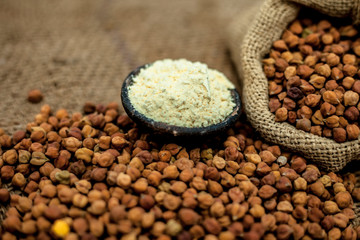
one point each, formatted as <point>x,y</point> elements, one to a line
<point>78,51</point>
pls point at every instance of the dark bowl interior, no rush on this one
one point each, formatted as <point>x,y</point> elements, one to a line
<point>172,130</point>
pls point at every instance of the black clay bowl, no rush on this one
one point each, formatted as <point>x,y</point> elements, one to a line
<point>172,130</point>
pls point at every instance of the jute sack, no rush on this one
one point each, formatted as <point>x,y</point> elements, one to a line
<point>251,38</point>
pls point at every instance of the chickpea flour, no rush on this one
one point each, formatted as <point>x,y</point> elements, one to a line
<point>182,93</point>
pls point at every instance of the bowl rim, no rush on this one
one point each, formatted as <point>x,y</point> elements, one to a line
<point>174,130</point>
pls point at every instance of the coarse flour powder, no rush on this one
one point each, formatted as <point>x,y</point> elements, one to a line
<point>182,93</point>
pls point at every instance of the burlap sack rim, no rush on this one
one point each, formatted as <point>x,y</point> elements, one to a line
<point>331,155</point>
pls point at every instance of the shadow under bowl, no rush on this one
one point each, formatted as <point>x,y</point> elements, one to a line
<point>161,128</point>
